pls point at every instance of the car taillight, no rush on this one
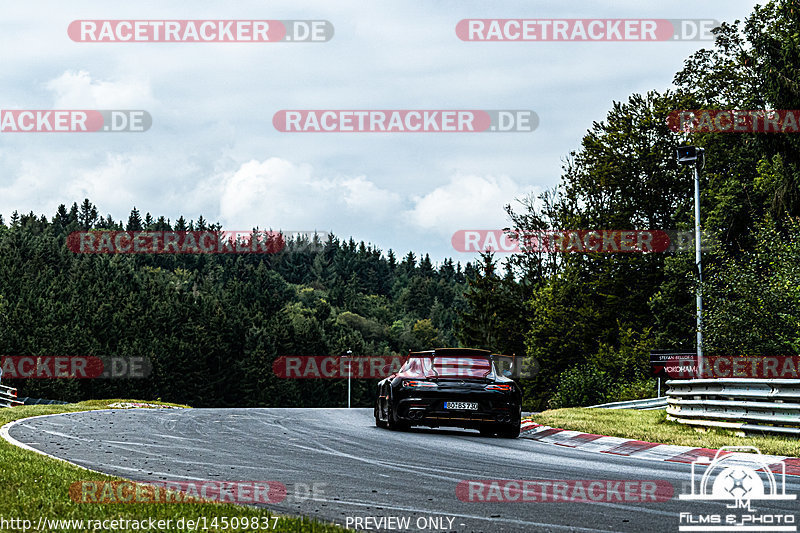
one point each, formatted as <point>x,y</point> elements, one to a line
<point>495,386</point>
<point>419,384</point>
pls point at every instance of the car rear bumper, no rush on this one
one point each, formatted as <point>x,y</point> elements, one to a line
<point>429,410</point>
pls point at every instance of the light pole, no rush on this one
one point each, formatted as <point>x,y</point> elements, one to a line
<point>692,155</point>
<point>349,373</point>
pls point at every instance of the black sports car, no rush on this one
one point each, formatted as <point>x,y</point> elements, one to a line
<point>455,387</point>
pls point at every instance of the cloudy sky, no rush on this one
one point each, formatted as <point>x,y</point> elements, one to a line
<point>212,148</point>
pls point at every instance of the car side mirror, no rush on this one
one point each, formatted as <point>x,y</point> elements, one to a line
<point>508,373</point>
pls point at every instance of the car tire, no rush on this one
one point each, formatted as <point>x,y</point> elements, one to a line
<point>393,423</point>
<point>376,412</point>
<point>510,431</point>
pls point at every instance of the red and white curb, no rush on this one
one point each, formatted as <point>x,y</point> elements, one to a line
<point>636,448</point>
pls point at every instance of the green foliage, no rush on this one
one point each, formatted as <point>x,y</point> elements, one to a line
<point>612,374</point>
<point>493,317</point>
<point>752,297</point>
<point>212,325</point>
<point>673,306</point>
<point>634,390</point>
<point>425,333</point>
<point>592,318</point>
<point>580,386</point>
<point>629,361</point>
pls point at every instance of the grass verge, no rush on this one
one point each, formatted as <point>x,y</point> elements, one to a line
<point>33,486</point>
<point>653,426</point>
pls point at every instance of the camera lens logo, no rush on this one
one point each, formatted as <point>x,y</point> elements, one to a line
<point>738,478</point>
<point>738,483</point>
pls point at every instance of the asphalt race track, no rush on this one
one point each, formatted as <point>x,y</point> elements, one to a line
<point>363,471</point>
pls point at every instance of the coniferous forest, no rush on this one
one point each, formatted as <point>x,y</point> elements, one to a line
<point>212,324</point>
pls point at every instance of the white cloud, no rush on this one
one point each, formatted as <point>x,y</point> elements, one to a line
<point>279,194</point>
<point>113,181</point>
<point>362,195</point>
<point>77,89</point>
<point>466,202</point>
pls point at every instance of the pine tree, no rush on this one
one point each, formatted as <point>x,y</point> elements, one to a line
<point>73,213</point>
<point>425,266</point>
<point>407,266</point>
<point>106,223</point>
<point>134,221</point>
<point>61,218</point>
<point>447,272</point>
<point>478,324</point>
<point>162,224</point>
<point>87,216</point>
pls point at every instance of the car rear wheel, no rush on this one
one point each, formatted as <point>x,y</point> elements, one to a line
<point>511,431</point>
<point>380,412</point>
<point>393,423</point>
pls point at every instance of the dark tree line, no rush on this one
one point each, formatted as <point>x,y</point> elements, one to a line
<point>212,324</point>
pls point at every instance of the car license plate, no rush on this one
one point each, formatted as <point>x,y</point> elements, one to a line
<point>471,406</point>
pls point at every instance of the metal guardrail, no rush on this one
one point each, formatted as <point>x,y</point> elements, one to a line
<point>8,397</point>
<point>642,405</point>
<point>754,405</point>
